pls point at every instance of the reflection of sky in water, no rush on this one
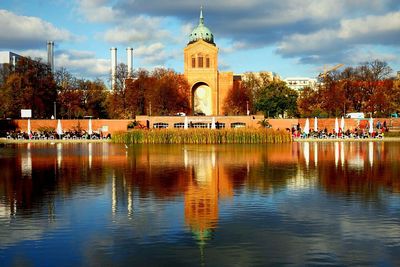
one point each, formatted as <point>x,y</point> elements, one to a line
<point>287,206</point>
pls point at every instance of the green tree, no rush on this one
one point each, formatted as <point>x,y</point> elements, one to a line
<point>276,99</point>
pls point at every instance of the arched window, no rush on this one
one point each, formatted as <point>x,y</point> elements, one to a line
<point>200,61</point>
<point>207,61</point>
<point>193,62</point>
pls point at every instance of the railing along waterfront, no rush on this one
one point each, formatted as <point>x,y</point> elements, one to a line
<point>202,136</point>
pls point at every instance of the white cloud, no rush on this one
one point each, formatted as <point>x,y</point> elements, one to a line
<point>137,30</point>
<point>235,46</point>
<point>79,63</point>
<point>369,54</point>
<point>85,65</point>
<point>97,11</point>
<point>154,54</point>
<point>382,30</point>
<point>28,32</point>
<point>370,25</point>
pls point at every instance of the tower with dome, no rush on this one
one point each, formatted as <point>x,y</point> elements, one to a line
<point>209,87</point>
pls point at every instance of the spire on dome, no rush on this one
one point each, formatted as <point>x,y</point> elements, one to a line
<point>201,16</point>
<point>201,32</point>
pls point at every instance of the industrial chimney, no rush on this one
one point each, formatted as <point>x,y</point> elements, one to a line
<point>129,62</point>
<point>50,55</point>
<point>113,67</point>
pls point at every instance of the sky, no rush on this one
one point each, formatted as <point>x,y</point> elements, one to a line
<point>289,37</point>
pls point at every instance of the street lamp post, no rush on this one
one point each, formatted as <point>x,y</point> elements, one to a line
<point>150,108</point>
<point>55,110</point>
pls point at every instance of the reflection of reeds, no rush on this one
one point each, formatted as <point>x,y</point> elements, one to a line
<point>202,136</point>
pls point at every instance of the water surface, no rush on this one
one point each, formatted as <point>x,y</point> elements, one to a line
<point>223,205</point>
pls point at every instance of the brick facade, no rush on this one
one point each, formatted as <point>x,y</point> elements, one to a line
<point>201,68</point>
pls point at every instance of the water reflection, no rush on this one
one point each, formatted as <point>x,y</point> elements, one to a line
<point>208,172</point>
<point>150,194</point>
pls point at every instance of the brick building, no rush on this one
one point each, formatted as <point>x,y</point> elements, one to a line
<point>209,87</point>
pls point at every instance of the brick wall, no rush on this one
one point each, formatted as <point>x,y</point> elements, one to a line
<point>251,121</point>
<point>113,125</point>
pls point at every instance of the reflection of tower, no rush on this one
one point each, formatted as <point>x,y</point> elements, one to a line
<point>316,154</point>
<point>26,163</point>
<point>201,206</point>
<point>90,156</point>
<point>206,186</point>
<point>114,195</point>
<point>121,195</point>
<point>59,155</point>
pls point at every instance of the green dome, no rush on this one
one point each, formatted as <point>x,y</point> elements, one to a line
<point>201,32</point>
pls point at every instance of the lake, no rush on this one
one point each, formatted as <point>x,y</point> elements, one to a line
<point>94,204</point>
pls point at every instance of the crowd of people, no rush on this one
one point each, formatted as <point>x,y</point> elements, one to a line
<point>52,135</point>
<point>356,133</point>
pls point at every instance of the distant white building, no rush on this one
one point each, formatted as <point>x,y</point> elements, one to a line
<point>269,75</point>
<point>7,57</point>
<point>299,83</point>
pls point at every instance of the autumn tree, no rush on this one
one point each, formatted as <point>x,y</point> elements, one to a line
<point>161,92</point>
<point>94,96</point>
<point>69,96</point>
<point>136,89</point>
<point>79,97</point>
<point>364,88</point>
<point>117,101</point>
<point>29,85</point>
<point>238,100</point>
<point>170,93</point>
<point>309,103</point>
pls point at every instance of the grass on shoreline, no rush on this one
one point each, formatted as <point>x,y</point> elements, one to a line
<point>202,136</point>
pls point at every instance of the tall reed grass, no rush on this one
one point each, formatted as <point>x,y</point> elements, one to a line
<point>202,136</point>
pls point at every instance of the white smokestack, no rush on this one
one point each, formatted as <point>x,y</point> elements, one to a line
<point>129,53</point>
<point>113,66</point>
<point>50,55</point>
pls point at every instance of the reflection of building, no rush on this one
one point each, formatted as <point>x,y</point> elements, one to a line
<point>206,185</point>
<point>209,87</point>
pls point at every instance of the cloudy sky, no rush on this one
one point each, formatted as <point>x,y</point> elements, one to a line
<point>289,37</point>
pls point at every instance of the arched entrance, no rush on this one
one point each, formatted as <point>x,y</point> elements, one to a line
<point>202,99</point>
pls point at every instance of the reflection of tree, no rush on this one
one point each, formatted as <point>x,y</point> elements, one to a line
<point>208,174</point>
<point>359,174</point>
<point>33,188</point>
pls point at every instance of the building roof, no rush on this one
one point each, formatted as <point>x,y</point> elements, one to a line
<point>201,32</point>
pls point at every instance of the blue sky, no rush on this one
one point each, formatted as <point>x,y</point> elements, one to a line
<point>289,37</point>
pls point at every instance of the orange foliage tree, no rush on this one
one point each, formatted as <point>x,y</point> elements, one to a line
<point>366,88</point>
<point>238,99</point>
<point>161,92</point>
<point>28,85</point>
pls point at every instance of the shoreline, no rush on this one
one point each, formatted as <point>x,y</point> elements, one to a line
<point>69,141</point>
<point>385,139</point>
<point>77,141</point>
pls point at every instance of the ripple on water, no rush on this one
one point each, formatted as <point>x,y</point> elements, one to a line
<point>322,259</point>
